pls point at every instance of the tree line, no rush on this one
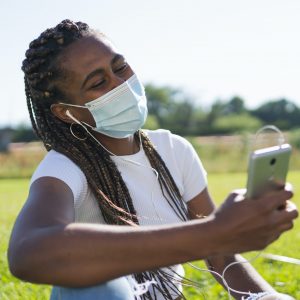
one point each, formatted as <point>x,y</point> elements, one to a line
<point>173,109</point>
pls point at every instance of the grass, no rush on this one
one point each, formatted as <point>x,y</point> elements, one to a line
<point>220,154</point>
<point>226,172</point>
<point>13,192</point>
<point>281,275</point>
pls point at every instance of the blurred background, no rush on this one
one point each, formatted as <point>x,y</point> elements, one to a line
<point>210,68</point>
<point>214,71</point>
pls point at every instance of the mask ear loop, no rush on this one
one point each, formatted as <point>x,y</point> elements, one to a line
<point>128,160</point>
<point>78,123</point>
<point>280,139</point>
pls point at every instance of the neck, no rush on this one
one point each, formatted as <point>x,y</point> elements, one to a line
<point>119,147</point>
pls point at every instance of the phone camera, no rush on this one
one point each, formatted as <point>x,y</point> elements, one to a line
<point>272,161</point>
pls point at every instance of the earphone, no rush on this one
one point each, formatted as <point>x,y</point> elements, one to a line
<point>229,289</point>
<point>68,113</point>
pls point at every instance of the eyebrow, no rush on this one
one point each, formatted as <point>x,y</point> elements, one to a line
<point>100,70</point>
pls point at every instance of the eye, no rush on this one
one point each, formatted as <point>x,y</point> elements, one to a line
<point>121,68</point>
<point>97,84</point>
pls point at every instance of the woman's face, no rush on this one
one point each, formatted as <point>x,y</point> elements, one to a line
<point>93,67</point>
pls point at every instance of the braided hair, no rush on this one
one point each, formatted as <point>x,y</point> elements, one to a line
<point>43,73</point>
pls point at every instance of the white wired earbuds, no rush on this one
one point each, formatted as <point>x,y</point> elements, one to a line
<point>222,276</point>
<point>112,154</point>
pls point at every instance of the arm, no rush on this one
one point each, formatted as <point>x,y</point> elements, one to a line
<point>46,245</point>
<point>242,277</point>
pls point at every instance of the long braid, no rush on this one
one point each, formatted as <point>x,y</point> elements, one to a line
<point>42,74</point>
<point>166,180</point>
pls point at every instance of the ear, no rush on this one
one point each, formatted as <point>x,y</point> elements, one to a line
<point>61,112</point>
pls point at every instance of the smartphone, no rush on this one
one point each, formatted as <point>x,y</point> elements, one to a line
<point>267,165</point>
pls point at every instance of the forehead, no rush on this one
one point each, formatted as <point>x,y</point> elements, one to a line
<point>87,54</point>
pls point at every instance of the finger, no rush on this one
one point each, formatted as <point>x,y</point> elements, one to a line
<point>291,210</point>
<point>286,226</point>
<point>288,204</point>
<point>275,185</point>
<point>283,218</point>
<point>273,199</point>
<point>234,196</point>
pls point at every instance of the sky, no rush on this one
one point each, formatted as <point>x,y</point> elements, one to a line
<point>211,49</point>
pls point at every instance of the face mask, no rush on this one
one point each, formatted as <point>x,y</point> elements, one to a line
<point>120,112</point>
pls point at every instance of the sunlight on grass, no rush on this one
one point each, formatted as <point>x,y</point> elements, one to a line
<point>13,192</point>
<point>12,196</point>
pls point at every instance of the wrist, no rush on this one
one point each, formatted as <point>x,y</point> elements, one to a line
<point>204,238</point>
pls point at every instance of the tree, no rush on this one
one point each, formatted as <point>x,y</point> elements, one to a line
<point>220,109</point>
<point>159,100</point>
<point>235,106</point>
<point>236,123</point>
<point>282,113</point>
<point>172,108</point>
<point>23,133</point>
<point>180,117</point>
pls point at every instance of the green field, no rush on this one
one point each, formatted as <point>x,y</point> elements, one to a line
<point>282,275</point>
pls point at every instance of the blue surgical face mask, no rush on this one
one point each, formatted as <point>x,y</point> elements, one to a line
<point>120,112</point>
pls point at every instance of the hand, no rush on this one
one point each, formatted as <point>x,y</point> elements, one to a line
<point>252,224</point>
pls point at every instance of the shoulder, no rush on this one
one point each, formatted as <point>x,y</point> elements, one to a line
<point>55,162</point>
<point>163,137</point>
<point>172,147</point>
<point>59,166</point>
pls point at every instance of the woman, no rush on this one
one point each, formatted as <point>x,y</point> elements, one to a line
<point>88,106</point>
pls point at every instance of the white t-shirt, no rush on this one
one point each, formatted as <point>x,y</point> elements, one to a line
<point>151,207</point>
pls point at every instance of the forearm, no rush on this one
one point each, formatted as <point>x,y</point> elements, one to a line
<point>84,254</point>
<point>241,277</point>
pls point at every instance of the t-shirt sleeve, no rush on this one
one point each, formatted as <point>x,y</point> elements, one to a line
<point>194,176</point>
<point>61,167</point>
